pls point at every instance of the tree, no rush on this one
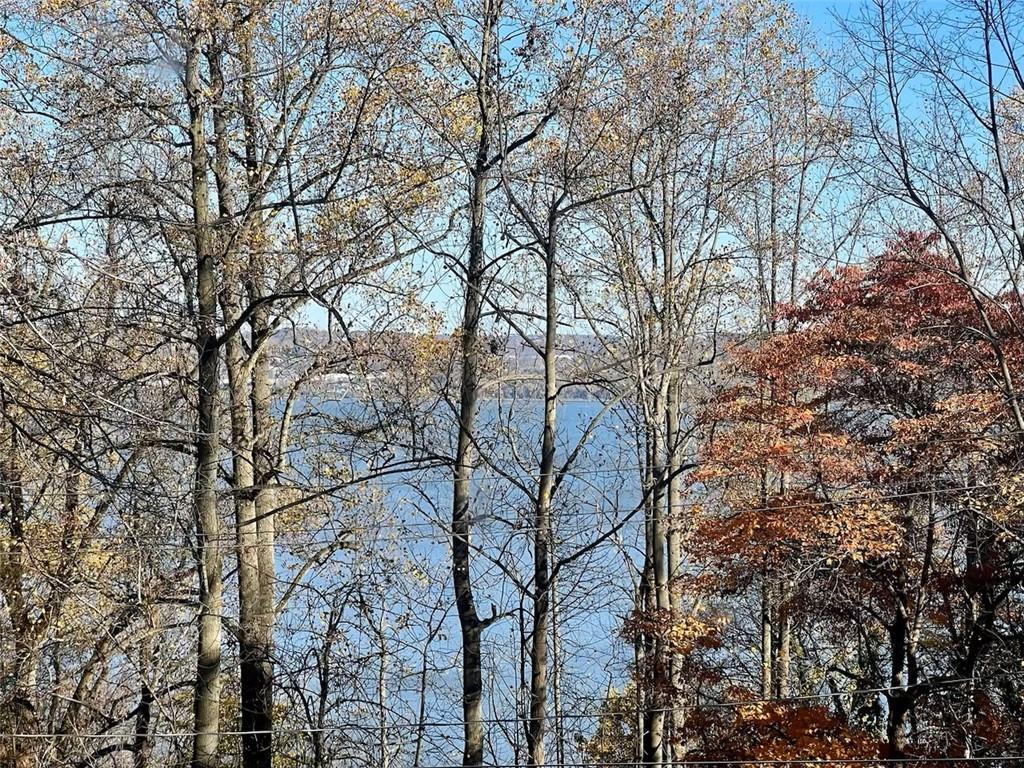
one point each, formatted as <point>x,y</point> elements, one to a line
<point>956,169</point>
<point>884,412</point>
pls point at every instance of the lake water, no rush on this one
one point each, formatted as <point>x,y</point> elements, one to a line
<point>385,605</point>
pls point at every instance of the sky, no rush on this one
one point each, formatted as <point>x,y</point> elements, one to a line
<point>822,13</point>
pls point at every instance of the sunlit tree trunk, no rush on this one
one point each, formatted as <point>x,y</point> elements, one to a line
<point>556,677</point>
<point>655,751</point>
<point>266,464</point>
<point>766,635</point>
<point>265,461</point>
<point>208,684</point>
<point>542,516</point>
<point>470,624</point>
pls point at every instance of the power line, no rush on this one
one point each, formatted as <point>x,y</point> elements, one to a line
<point>385,476</point>
<point>441,534</point>
<point>761,761</point>
<point>734,704</point>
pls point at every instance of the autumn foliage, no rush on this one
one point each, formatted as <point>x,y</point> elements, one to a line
<point>857,484</point>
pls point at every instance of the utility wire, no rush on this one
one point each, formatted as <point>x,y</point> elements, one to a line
<point>734,704</point>
<point>442,534</point>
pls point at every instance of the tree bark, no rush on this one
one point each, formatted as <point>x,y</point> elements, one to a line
<point>244,369</point>
<point>556,677</point>
<point>206,706</point>
<point>542,517</point>
<point>654,752</point>
<point>470,624</point>
<point>785,642</point>
<point>673,461</point>
<point>899,697</point>
<point>266,465</point>
<point>266,462</point>
<point>25,635</point>
<point>766,636</point>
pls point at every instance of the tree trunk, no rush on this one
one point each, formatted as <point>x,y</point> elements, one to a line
<point>654,752</point>
<point>470,625</point>
<point>674,486</point>
<point>785,643</point>
<point>542,518</point>
<point>382,695</point>
<point>675,560</point>
<point>651,730</point>
<point>556,677</point>
<point>783,649</point>
<point>469,621</point>
<point>265,463</point>
<point>255,752</point>
<point>23,751</point>
<point>142,747</point>
<point>25,634</point>
<point>899,697</point>
<point>206,708</point>
<point>766,636</point>
<point>243,367</point>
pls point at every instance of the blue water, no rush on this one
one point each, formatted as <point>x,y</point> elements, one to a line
<point>387,591</point>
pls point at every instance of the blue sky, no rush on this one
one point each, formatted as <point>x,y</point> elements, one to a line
<point>821,12</point>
